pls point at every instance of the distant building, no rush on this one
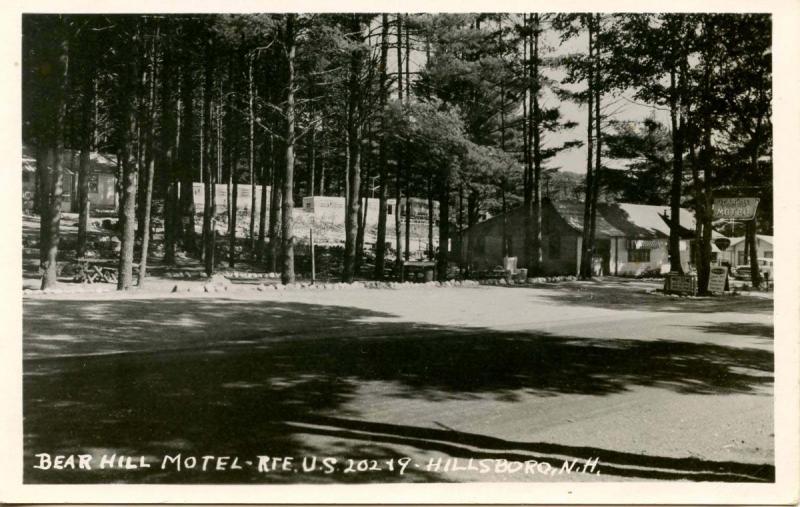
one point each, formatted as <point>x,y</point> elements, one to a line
<point>331,211</point>
<point>102,179</point>
<point>243,197</point>
<point>630,239</point>
<point>734,254</point>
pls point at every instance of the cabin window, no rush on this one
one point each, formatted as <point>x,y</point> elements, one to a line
<point>639,255</point>
<point>768,254</point>
<point>554,247</point>
<point>388,209</point>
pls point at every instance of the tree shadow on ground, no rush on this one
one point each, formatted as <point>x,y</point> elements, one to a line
<point>231,377</point>
<point>599,294</point>
<point>740,329</point>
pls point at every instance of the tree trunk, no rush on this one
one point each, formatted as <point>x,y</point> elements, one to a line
<point>677,176</point>
<point>53,223</point>
<point>380,243</point>
<point>251,155</point>
<point>322,178</point>
<point>186,161</point>
<point>366,162</point>
<point>275,206</point>
<point>128,216</point>
<point>755,272</point>
<point>472,218</point>
<point>407,250</point>
<point>704,267</point>
<point>698,214</point>
<point>234,217</point>
<point>444,229</point>
<point>408,62</point>
<point>43,163</point>
<point>57,56</point>
<point>706,161</point>
<point>504,225</point>
<point>129,104</point>
<point>83,201</point>
<point>598,166</point>
<point>87,108</point>
<point>465,255</point>
<point>408,169</point>
<point>399,167</point>
<point>354,150</point>
<point>232,160</point>
<point>287,271</point>
<point>146,215</point>
<point>206,166</point>
<point>363,208</point>
<point>152,151</point>
<point>312,160</point>
<point>430,220</point>
<point>527,180</point>
<point>169,144</point>
<point>142,159</point>
<point>262,217</point>
<point>233,165</point>
<point>535,260</point>
<point>586,247</point>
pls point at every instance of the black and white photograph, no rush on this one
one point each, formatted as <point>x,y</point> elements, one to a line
<point>531,251</point>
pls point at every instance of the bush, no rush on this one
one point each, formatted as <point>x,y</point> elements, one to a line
<point>651,273</point>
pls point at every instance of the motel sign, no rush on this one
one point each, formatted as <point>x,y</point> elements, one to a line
<point>735,208</point>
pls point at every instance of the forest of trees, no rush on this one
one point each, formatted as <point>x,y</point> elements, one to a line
<point>462,109</point>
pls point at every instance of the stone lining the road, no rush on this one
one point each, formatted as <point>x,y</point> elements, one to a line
<point>72,289</point>
<point>660,292</point>
<point>529,281</point>
<point>215,284</point>
<point>225,287</point>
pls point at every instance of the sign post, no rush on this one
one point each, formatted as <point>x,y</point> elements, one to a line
<point>311,245</point>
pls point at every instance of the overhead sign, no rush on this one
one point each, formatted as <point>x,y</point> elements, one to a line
<point>722,243</point>
<point>735,208</point>
<point>716,279</point>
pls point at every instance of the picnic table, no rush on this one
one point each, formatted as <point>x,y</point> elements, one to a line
<point>417,269</point>
<point>96,270</point>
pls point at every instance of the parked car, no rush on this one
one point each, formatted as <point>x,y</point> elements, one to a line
<point>742,272</point>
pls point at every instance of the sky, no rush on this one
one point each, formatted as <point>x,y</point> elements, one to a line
<point>621,107</point>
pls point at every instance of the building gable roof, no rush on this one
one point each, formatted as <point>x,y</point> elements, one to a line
<point>572,213</point>
<point>645,221</point>
<point>740,239</point>
<point>622,220</point>
<point>98,162</point>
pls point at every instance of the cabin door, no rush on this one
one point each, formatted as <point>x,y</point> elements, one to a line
<point>602,260</point>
